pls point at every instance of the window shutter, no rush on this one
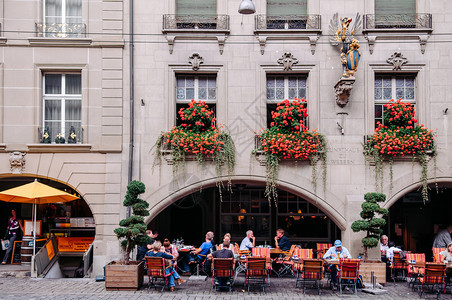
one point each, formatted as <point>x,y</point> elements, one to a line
<point>395,7</point>
<point>196,7</point>
<point>287,7</point>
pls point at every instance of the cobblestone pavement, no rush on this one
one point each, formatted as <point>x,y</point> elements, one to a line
<point>280,288</point>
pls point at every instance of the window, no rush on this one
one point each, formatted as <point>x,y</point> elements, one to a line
<point>190,87</point>
<point>286,14</point>
<point>389,87</point>
<point>62,18</point>
<point>395,13</point>
<point>281,87</point>
<point>62,103</point>
<point>197,14</point>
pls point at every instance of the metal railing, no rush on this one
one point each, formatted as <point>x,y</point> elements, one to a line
<point>399,21</point>
<point>61,30</point>
<point>198,22</point>
<point>48,137</point>
<point>264,22</point>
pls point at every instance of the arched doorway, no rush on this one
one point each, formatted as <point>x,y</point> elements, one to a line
<point>413,224</point>
<point>243,209</point>
<point>67,222</point>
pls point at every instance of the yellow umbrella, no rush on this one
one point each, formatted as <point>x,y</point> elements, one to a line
<point>36,193</point>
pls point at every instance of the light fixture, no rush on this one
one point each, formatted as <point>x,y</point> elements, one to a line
<point>246,7</point>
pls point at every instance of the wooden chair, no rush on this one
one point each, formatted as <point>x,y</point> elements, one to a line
<point>434,277</point>
<point>241,252</point>
<point>398,265</point>
<point>301,255</point>
<point>437,255</point>
<point>322,248</point>
<point>348,273</point>
<point>156,271</point>
<point>223,273</point>
<point>311,272</point>
<point>414,272</point>
<point>286,261</point>
<point>265,253</point>
<point>256,272</point>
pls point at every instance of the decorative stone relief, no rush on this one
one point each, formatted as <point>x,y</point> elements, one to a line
<point>287,60</point>
<point>397,61</point>
<point>195,60</point>
<point>17,162</point>
<point>342,90</point>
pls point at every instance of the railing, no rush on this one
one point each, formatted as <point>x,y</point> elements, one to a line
<point>47,137</point>
<point>61,30</point>
<point>400,21</point>
<point>198,22</point>
<point>264,22</point>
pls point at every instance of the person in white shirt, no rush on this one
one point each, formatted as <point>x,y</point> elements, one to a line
<point>390,251</point>
<point>336,252</point>
<point>383,247</point>
<point>247,244</point>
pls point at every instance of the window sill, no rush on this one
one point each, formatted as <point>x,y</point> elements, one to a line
<point>60,42</point>
<point>59,148</point>
<point>312,35</point>
<point>198,34</point>
<point>167,156</point>
<point>408,158</point>
<point>421,34</point>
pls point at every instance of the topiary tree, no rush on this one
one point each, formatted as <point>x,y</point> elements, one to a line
<point>133,230</point>
<point>371,224</point>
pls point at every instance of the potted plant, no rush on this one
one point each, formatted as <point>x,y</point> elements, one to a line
<point>289,139</point>
<point>399,136</point>
<point>372,224</point>
<point>198,136</point>
<point>128,275</point>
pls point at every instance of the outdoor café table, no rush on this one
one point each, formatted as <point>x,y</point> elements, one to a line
<point>241,267</point>
<point>183,251</point>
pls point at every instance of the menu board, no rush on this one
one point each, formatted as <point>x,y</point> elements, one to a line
<point>15,256</point>
<point>28,227</point>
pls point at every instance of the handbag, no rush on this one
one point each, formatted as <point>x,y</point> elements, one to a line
<point>5,244</point>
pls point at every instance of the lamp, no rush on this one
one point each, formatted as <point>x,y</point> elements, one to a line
<point>246,7</point>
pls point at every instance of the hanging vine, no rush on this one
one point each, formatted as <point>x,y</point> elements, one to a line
<point>288,138</point>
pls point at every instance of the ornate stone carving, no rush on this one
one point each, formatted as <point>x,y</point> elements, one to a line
<point>195,60</point>
<point>397,61</point>
<point>287,60</point>
<point>342,90</point>
<point>17,162</point>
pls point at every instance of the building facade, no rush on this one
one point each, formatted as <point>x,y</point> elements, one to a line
<point>241,65</point>
<point>65,69</point>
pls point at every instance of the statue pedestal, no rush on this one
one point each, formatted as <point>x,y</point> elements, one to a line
<point>342,90</point>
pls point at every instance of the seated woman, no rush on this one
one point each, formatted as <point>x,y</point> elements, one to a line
<point>446,255</point>
<point>156,252</point>
<point>171,250</point>
<point>227,238</point>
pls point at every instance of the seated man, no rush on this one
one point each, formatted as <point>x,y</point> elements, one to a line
<point>336,252</point>
<point>248,242</point>
<point>223,253</point>
<point>383,247</point>
<point>141,250</point>
<point>390,251</point>
<point>281,241</point>
<point>199,254</point>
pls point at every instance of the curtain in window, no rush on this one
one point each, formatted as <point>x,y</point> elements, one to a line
<point>196,7</point>
<point>73,111</point>
<point>52,84</point>
<point>74,11</point>
<point>73,84</point>
<point>63,11</point>
<point>395,7</point>
<point>52,115</point>
<point>287,7</point>
<point>53,11</point>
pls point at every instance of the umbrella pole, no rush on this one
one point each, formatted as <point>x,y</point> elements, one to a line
<point>34,228</point>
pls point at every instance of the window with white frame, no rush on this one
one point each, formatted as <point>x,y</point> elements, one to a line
<point>63,18</point>
<point>388,86</point>
<point>281,87</point>
<point>195,87</point>
<point>62,106</point>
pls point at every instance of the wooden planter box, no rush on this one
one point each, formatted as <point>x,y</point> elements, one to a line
<point>119,276</point>
<point>378,267</point>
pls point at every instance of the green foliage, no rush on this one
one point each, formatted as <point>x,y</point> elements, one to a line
<point>371,224</point>
<point>133,230</point>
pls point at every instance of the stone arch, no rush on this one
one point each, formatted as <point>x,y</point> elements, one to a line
<point>167,197</point>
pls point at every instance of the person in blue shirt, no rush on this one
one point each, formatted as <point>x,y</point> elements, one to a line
<point>198,254</point>
<point>336,252</point>
<point>281,241</point>
<point>156,252</point>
